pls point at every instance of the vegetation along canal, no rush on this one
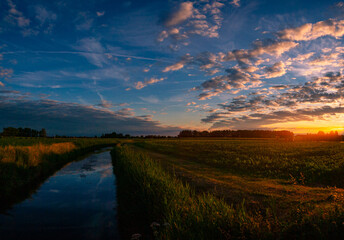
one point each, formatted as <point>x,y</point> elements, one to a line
<point>78,202</point>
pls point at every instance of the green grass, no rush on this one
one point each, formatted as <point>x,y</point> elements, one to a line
<point>320,163</point>
<point>26,162</point>
<point>161,197</point>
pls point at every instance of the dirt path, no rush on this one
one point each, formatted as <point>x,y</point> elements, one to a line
<point>233,188</point>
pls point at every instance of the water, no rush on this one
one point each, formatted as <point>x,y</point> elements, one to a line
<point>78,202</point>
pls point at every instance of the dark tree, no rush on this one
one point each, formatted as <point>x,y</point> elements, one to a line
<point>43,133</point>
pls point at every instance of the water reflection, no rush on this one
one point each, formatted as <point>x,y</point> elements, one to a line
<point>78,202</point>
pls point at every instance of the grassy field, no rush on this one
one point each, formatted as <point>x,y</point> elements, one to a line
<point>26,162</point>
<point>309,163</point>
<point>234,188</point>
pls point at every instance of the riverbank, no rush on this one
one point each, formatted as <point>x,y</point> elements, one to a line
<point>23,167</point>
<point>172,209</point>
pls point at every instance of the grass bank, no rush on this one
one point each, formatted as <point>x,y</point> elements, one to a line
<point>148,194</point>
<point>23,167</point>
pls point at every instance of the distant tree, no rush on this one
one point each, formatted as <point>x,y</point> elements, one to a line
<point>43,133</point>
<point>20,132</point>
<point>186,133</point>
<point>115,135</point>
<point>10,132</point>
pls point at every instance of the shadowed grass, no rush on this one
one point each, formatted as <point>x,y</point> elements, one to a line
<point>163,198</point>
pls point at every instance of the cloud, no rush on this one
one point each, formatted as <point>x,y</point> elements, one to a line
<point>46,19</point>
<point>191,103</point>
<point>43,15</point>
<point>174,67</point>
<point>309,31</point>
<point>16,17</point>
<point>162,36</point>
<point>233,80</point>
<point>105,104</point>
<point>73,119</point>
<point>67,79</point>
<point>276,70</point>
<point>5,73</point>
<point>192,18</point>
<point>43,21</point>
<point>211,62</point>
<point>208,95</point>
<point>150,99</point>
<point>125,112</point>
<point>83,22</point>
<point>93,50</point>
<point>258,120</point>
<point>235,3</point>
<point>179,65</point>
<point>140,85</point>
<point>184,12</point>
<point>276,48</point>
<point>100,14</point>
<point>303,102</point>
<point>206,61</point>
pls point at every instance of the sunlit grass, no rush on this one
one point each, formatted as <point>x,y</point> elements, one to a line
<point>319,163</point>
<point>32,155</point>
<point>190,215</point>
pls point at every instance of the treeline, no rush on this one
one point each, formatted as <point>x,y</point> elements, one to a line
<point>321,136</point>
<point>23,132</point>
<point>238,134</point>
<point>115,135</point>
<point>120,135</point>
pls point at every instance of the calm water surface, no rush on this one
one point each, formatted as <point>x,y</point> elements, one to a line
<point>78,202</point>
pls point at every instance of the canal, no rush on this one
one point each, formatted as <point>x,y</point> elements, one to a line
<point>77,202</point>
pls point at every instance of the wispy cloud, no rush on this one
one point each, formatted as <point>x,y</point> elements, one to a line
<point>84,22</point>
<point>139,85</point>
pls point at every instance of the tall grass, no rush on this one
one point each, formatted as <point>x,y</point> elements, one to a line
<point>146,194</point>
<point>24,156</point>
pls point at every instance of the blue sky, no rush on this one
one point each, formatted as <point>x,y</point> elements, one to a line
<point>156,67</point>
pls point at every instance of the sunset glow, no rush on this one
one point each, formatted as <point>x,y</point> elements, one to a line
<point>157,67</point>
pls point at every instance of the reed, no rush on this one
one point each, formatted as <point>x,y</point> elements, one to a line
<point>24,156</point>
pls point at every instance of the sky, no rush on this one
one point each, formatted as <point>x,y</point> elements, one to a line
<point>157,67</point>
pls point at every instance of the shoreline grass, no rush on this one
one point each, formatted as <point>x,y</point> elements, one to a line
<point>163,198</point>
